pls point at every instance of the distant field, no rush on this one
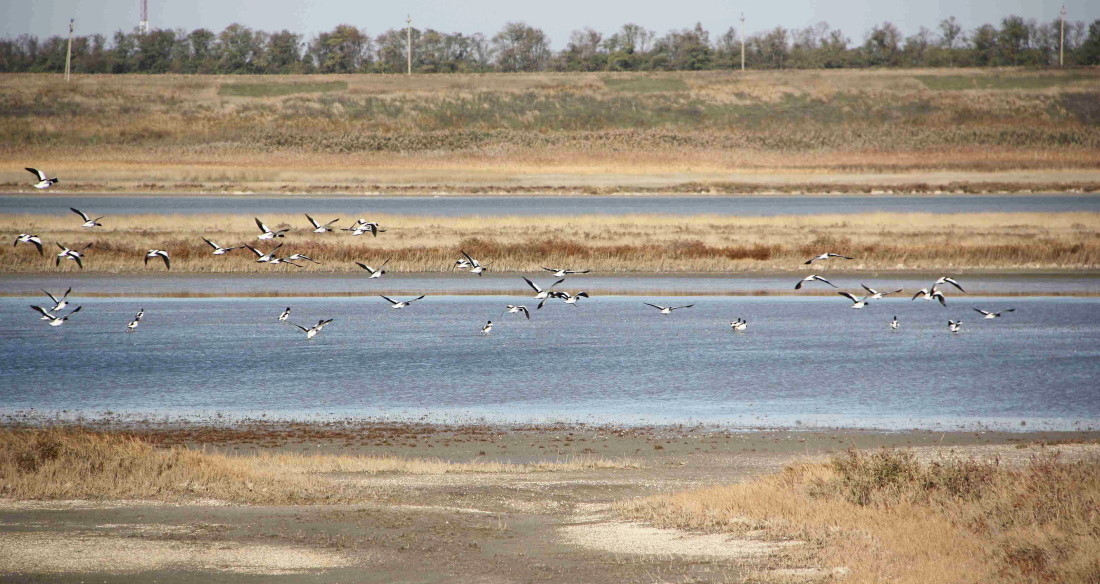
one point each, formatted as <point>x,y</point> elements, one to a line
<point>616,131</point>
<point>605,244</point>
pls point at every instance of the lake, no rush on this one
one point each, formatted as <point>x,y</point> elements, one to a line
<point>803,362</point>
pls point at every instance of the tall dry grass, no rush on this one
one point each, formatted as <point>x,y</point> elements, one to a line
<point>73,463</point>
<point>888,518</point>
<point>623,243</point>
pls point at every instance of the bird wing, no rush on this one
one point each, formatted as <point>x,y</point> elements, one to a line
<point>365,267</point>
<point>679,307</point>
<point>304,329</point>
<point>51,297</point>
<point>41,175</point>
<point>955,284</point>
<point>37,243</point>
<point>981,311</point>
<point>548,269</point>
<point>211,243</point>
<point>254,250</point>
<point>1009,310</point>
<point>43,311</point>
<point>164,256</point>
<point>848,296</point>
<point>384,263</point>
<point>526,312</point>
<point>941,298</point>
<point>311,220</point>
<point>74,311</point>
<point>331,222</point>
<point>78,262</point>
<point>261,225</point>
<point>532,284</point>
<point>78,212</point>
<point>868,289</point>
<point>66,295</point>
<point>472,261</point>
<point>654,306</point>
<point>836,255</point>
<point>421,297</point>
<point>585,295</point>
<point>390,300</point>
<point>819,278</point>
<point>895,291</point>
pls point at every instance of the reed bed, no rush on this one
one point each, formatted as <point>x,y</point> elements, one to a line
<point>607,244</point>
<point>73,463</point>
<point>886,517</point>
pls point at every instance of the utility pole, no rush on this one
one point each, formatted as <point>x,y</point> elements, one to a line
<point>143,25</point>
<point>69,51</point>
<point>1062,39</point>
<point>409,43</point>
<point>742,41</point>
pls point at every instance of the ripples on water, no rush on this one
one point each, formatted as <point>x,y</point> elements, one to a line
<point>611,359</point>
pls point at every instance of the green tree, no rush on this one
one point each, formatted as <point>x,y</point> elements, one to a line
<point>881,47</point>
<point>518,47</point>
<point>345,49</point>
<point>1089,53</point>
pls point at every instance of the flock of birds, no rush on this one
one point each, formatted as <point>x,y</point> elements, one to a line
<point>362,227</point>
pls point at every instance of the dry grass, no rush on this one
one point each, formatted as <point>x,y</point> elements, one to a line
<point>196,132</point>
<point>886,517</point>
<point>81,464</point>
<point>627,243</point>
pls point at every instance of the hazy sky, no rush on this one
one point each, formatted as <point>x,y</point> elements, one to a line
<point>556,17</point>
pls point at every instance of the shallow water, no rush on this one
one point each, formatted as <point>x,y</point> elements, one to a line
<point>451,206</point>
<point>804,361</point>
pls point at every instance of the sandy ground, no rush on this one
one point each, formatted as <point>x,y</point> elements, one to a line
<point>462,528</point>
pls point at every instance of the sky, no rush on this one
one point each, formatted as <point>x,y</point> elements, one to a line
<point>558,18</point>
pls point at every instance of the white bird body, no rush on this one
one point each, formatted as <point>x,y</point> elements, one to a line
<point>58,303</point>
<point>361,227</point>
<point>739,325</point>
<point>29,238</point>
<point>949,280</point>
<point>44,182</point>
<point>318,228</point>
<point>894,324</point>
<point>930,294</point>
<point>397,305</point>
<point>132,326</point>
<point>668,309</point>
<point>487,328</point>
<point>285,315</point>
<point>475,266</point>
<point>54,319</point>
<point>219,250</point>
<point>812,278</point>
<point>512,309</point>
<point>298,256</point>
<point>266,232</point>
<point>990,315</point>
<point>876,295</point>
<point>71,254</point>
<point>856,302</point>
<point>158,253</point>
<point>264,257</point>
<point>954,325</point>
<point>562,272</point>
<point>826,256</point>
<point>541,294</point>
<point>373,272</point>
<point>88,221</point>
<point>315,329</point>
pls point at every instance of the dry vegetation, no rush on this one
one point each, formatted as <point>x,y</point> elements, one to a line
<point>480,131</point>
<point>627,243</point>
<point>888,518</point>
<point>81,464</point>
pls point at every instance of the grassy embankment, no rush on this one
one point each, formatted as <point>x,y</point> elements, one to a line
<point>909,130</point>
<point>885,517</point>
<point>80,464</point>
<point>632,243</point>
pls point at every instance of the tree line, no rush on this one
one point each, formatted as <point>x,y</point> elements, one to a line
<point>518,47</point>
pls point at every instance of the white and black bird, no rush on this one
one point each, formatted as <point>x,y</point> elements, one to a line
<point>318,228</point>
<point>401,304</point>
<point>856,302</point>
<point>811,278</point>
<point>54,319</point>
<point>71,254</point>
<point>930,294</point>
<point>826,256</point>
<point>561,272</point>
<point>88,221</point>
<point>373,272</point>
<point>219,250</point>
<point>668,309</point>
<point>297,256</point>
<point>475,266</point>
<point>315,329</point>
<point>988,314</point>
<point>361,227</point>
<point>739,325</point>
<point>572,298</point>
<point>158,253</point>
<point>59,303</point>
<point>274,261</point>
<point>894,324</point>
<point>285,315</point>
<point>513,309</point>
<point>541,294</point>
<point>954,325</point>
<point>462,264</point>
<point>44,182</point>
<point>266,232</point>
<point>949,280</point>
<point>29,238</point>
<point>134,323</point>
<point>266,256</point>
<point>487,328</point>
<point>876,295</point>
<point>140,315</point>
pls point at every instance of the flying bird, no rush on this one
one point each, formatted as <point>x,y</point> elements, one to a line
<point>360,227</point>
<point>475,266</point>
<point>826,256</point>
<point>926,294</point>
<point>811,278</point>
<point>954,325</point>
<point>876,295</point>
<point>373,272</point>
<point>70,254</point>
<point>266,232</point>
<point>88,222</point>
<point>668,309</point>
<point>264,257</point>
<point>949,280</point>
<point>856,302</point>
<point>59,304</point>
<point>512,309</point>
<point>487,328</point>
<point>43,181</point>
<point>318,228</point>
<point>541,294</point>
<point>402,304</point>
<point>29,238</point>
<point>987,314</point>
<point>315,329</point>
<point>134,323</point>
<point>158,253</point>
<point>298,256</point>
<point>219,250</point>
<point>463,264</point>
<point>560,272</point>
<point>285,315</point>
<point>55,320</point>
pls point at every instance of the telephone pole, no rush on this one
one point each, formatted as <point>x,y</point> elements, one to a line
<point>409,44</point>
<point>1062,38</point>
<point>742,41</point>
<point>69,51</point>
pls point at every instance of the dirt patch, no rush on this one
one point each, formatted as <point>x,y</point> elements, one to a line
<point>632,538</point>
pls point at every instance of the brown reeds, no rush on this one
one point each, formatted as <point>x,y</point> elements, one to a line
<point>884,516</point>
<point>628,243</point>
